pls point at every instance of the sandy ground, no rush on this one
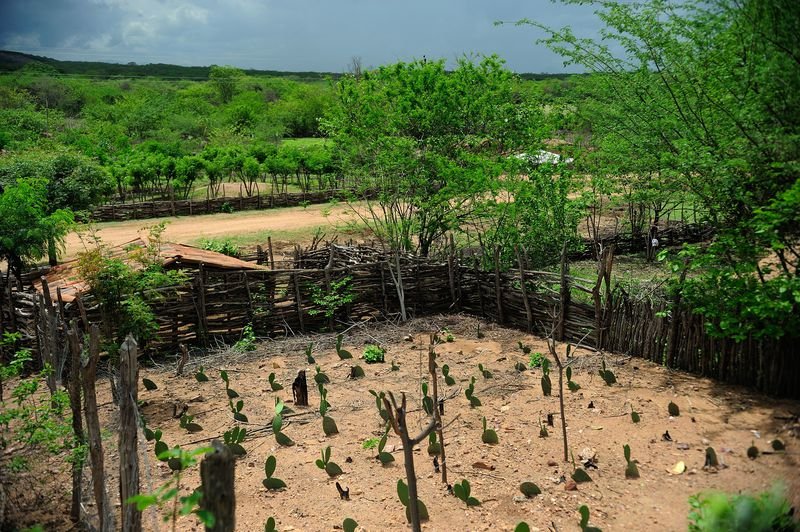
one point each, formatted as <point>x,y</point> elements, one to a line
<point>728,418</point>
<point>186,229</point>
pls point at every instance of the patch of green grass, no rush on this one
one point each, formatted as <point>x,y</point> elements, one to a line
<point>304,142</point>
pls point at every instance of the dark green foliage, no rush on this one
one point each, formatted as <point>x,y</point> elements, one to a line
<point>529,489</point>
<point>711,458</point>
<point>427,400</point>
<point>522,527</point>
<point>489,435</point>
<point>200,375</point>
<point>526,349</point>
<point>572,385</point>
<point>356,372</point>
<point>343,353</point>
<point>309,357</point>
<point>448,379</point>
<point>485,372</point>
<point>349,525</point>
<point>328,424</point>
<point>189,425</point>
<point>379,404</point>
<point>270,482</point>
<point>274,385</point>
<point>470,394</point>
<point>402,493</point>
<point>462,491</point>
<point>149,385</point>
<point>384,457</point>
<point>320,377</point>
<point>752,452</point>
<point>543,430</point>
<point>547,385</point>
<point>277,425</point>
<point>331,468</point>
<point>673,409</point>
<point>635,416</point>
<point>580,475</point>
<point>269,526</point>
<point>233,439</point>
<point>777,445</point>
<point>631,470</point>
<point>519,367</point>
<point>339,295</point>
<point>584,524</point>
<point>607,375</point>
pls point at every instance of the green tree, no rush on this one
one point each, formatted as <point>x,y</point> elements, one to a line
<point>224,78</point>
<point>26,226</point>
<point>704,99</point>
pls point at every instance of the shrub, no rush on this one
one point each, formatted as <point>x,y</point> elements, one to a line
<point>717,511</point>
<point>224,246</point>
<point>373,354</point>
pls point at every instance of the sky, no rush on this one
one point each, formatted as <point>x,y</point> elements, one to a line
<point>293,35</point>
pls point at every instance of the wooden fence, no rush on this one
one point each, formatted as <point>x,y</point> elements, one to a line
<point>217,305</point>
<point>158,209</point>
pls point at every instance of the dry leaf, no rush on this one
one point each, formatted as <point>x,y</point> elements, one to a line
<point>678,469</point>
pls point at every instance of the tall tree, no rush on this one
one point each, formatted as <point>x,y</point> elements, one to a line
<point>705,98</point>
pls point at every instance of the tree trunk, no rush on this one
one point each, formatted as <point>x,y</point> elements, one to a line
<point>217,477</point>
<point>129,435</point>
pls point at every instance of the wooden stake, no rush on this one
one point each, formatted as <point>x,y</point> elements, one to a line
<point>217,473</point>
<point>128,434</point>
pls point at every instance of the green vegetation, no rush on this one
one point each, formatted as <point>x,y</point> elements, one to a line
<point>374,353</point>
<point>716,511</point>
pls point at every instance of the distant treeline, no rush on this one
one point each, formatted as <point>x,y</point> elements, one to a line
<point>11,61</point>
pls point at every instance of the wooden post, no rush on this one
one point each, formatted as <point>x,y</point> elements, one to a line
<point>300,389</point>
<point>88,376</point>
<point>437,413</point>
<point>201,310</point>
<point>271,256</point>
<point>498,295</point>
<point>299,302</point>
<point>564,296</point>
<point>524,290</point>
<point>217,478</point>
<point>259,255</point>
<point>77,419</point>
<point>128,434</point>
<point>183,360</point>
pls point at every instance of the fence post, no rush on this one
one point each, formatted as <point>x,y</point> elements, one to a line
<point>88,378</point>
<point>217,478</point>
<point>564,296</point>
<point>299,301</point>
<point>524,290</point>
<point>498,295</point>
<point>129,434</point>
<point>77,419</point>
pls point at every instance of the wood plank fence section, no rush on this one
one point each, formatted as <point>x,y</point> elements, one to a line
<point>217,305</point>
<point>114,212</point>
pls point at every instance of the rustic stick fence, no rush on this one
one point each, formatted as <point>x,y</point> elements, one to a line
<point>157,209</point>
<point>280,302</point>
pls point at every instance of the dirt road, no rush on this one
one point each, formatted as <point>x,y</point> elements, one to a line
<point>188,229</point>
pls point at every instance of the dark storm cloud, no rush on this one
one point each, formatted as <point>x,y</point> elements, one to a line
<point>283,34</point>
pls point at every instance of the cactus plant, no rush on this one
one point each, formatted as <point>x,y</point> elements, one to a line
<point>186,423</point>
<point>711,458</point>
<point>149,385</point>
<point>320,377</point>
<point>356,372</point>
<point>462,491</point>
<point>584,524</point>
<point>448,379</point>
<point>579,475</point>
<point>607,375</point>
<point>434,447</point>
<point>343,353</point>
<point>379,404</point>
<point>200,376</point>
<point>331,468</point>
<point>383,456</point>
<point>269,526</point>
<point>572,385</point>
<point>427,402</point>
<point>529,489</point>
<point>489,436</point>
<point>631,470</point>
<point>277,425</point>
<point>635,417</point>
<point>230,392</point>
<point>349,525</point>
<point>234,438</point>
<point>777,445</point>
<point>273,384</point>
<point>542,430</point>
<point>270,482</point>
<point>673,409</point>
<point>309,356</point>
<point>752,452</point>
<point>470,393</point>
<point>402,493</point>
<point>485,372</point>
<point>547,385</point>
<point>328,424</point>
<point>522,526</point>
<point>236,409</point>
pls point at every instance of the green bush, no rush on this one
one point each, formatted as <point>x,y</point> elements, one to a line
<point>225,246</point>
<point>248,340</point>
<point>373,354</point>
<point>723,512</point>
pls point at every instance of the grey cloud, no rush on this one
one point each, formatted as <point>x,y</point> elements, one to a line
<point>285,35</point>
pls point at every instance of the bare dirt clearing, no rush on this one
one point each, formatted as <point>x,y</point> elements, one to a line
<point>711,414</point>
<point>187,229</point>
